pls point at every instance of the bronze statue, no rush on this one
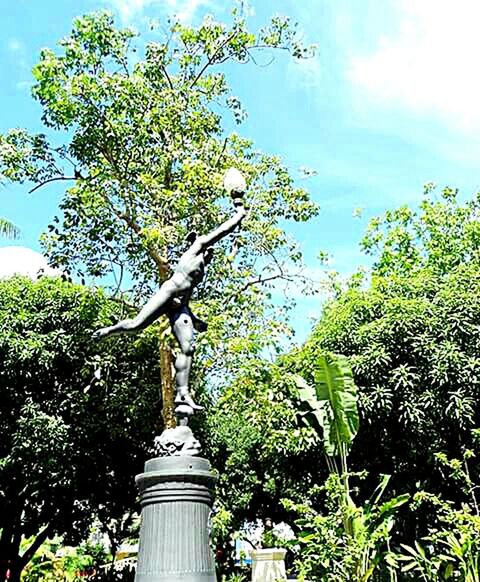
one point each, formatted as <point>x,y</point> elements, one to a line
<point>172,299</point>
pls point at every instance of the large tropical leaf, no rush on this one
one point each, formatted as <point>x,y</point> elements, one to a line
<point>334,384</point>
<point>331,405</point>
<point>312,410</point>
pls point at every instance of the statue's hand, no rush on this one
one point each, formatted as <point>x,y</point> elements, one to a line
<point>237,198</point>
<point>100,333</point>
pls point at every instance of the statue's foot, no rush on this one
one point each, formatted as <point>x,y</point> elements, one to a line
<point>184,411</point>
<point>184,399</point>
<point>100,333</point>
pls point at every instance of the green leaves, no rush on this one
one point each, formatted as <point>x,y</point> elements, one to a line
<point>332,403</point>
<point>26,158</point>
<point>442,234</point>
<point>335,385</point>
<point>67,406</point>
<point>340,541</point>
<point>8,229</point>
<point>255,438</point>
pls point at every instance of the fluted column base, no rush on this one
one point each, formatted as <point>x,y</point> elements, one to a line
<point>176,494</point>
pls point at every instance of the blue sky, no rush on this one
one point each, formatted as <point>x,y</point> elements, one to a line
<point>391,101</point>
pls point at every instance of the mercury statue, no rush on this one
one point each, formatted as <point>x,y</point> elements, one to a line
<point>173,297</point>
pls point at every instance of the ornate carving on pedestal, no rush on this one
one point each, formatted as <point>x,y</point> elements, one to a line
<point>177,442</point>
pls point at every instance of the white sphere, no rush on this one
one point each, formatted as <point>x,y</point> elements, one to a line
<point>233,181</point>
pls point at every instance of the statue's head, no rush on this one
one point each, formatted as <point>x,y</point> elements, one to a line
<point>191,237</point>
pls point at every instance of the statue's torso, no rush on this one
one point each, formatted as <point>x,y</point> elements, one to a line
<point>189,271</point>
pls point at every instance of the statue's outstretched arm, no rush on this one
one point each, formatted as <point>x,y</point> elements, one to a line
<point>234,183</point>
<point>227,227</point>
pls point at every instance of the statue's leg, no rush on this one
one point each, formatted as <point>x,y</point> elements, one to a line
<point>152,310</point>
<point>183,330</point>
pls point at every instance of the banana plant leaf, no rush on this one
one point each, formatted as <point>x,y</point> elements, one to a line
<point>331,405</point>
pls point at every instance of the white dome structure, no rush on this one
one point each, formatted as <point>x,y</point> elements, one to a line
<point>23,261</point>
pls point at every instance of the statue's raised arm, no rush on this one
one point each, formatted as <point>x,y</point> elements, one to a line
<point>172,299</point>
<point>235,185</point>
<point>227,227</point>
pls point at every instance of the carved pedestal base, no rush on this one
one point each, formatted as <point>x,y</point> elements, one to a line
<point>176,494</point>
<point>268,565</point>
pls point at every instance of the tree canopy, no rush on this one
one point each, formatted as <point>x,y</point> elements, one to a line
<point>136,133</point>
<point>412,337</point>
<point>77,421</point>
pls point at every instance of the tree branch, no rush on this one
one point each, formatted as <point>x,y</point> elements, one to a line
<point>259,281</point>
<point>167,76</point>
<point>161,262</point>
<point>211,60</point>
<point>220,155</point>
<point>54,179</point>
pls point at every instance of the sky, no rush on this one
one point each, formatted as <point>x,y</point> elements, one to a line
<point>390,102</point>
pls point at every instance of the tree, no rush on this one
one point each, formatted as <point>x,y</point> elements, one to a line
<point>255,433</point>
<point>440,235</point>
<point>145,149</point>
<point>76,421</point>
<point>412,339</point>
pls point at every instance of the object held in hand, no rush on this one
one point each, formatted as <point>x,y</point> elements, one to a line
<point>234,183</point>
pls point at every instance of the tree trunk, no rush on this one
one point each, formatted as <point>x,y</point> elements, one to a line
<point>167,379</point>
<point>168,385</point>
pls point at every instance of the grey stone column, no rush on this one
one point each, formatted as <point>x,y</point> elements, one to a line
<point>176,495</point>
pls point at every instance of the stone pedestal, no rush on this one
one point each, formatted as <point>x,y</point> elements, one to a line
<point>268,565</point>
<point>176,495</point>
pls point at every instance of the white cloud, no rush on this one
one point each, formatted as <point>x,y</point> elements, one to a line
<point>23,261</point>
<point>18,55</point>
<point>430,65</point>
<point>184,10</point>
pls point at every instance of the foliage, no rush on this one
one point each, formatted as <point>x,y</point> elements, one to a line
<point>277,536</point>
<point>145,149</point>
<point>54,562</point>
<point>441,235</point>
<point>254,434</point>
<point>126,574</point>
<point>235,578</point>
<point>339,541</point>
<point>76,422</point>
<point>332,403</point>
<point>451,550</point>
<point>411,337</point>
<point>413,345</point>
<point>8,229</point>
